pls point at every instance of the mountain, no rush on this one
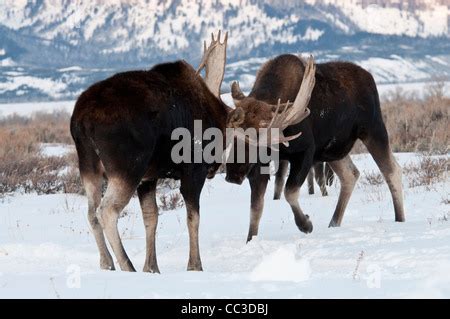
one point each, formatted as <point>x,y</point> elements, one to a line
<point>56,48</point>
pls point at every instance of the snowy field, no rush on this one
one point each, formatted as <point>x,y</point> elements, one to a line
<point>47,249</point>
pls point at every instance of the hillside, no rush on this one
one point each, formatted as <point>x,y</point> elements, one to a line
<point>52,49</point>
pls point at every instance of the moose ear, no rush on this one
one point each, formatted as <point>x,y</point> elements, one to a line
<point>236,93</point>
<point>236,117</point>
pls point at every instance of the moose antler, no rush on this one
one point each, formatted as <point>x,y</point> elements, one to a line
<point>214,59</point>
<point>266,138</point>
<point>299,110</point>
<point>291,114</point>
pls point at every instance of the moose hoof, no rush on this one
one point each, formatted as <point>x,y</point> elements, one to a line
<point>152,269</point>
<point>250,237</point>
<point>305,226</point>
<point>127,266</point>
<point>334,223</point>
<point>199,268</point>
<point>107,264</point>
<point>195,267</point>
<point>400,219</point>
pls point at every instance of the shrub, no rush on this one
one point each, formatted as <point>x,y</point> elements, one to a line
<point>373,179</point>
<point>170,201</point>
<point>427,172</point>
<point>22,168</point>
<point>417,125</point>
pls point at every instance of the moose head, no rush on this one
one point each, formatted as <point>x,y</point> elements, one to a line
<point>264,118</point>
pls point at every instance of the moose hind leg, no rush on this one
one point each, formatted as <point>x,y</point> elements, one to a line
<point>319,171</point>
<point>348,175</point>
<point>329,175</point>
<point>280,179</point>
<point>93,186</point>
<point>147,198</point>
<point>381,152</point>
<point>117,196</point>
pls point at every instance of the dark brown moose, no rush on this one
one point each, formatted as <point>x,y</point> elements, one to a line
<point>344,107</point>
<point>122,131</point>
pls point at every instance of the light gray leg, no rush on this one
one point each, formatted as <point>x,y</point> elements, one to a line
<point>392,172</point>
<point>191,186</point>
<point>329,175</point>
<point>193,221</point>
<point>147,198</point>
<point>319,172</point>
<point>348,175</point>
<point>93,186</point>
<point>117,196</point>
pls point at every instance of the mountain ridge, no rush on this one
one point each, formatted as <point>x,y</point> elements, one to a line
<point>98,38</point>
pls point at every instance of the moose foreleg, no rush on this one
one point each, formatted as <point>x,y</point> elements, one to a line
<point>258,185</point>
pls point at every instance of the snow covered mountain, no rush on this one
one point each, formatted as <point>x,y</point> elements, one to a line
<point>55,48</point>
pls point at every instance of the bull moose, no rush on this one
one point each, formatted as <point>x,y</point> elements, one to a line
<point>344,107</point>
<point>122,131</point>
<point>122,128</point>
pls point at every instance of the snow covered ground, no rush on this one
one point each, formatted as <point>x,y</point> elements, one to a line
<point>47,249</point>
<point>56,149</point>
